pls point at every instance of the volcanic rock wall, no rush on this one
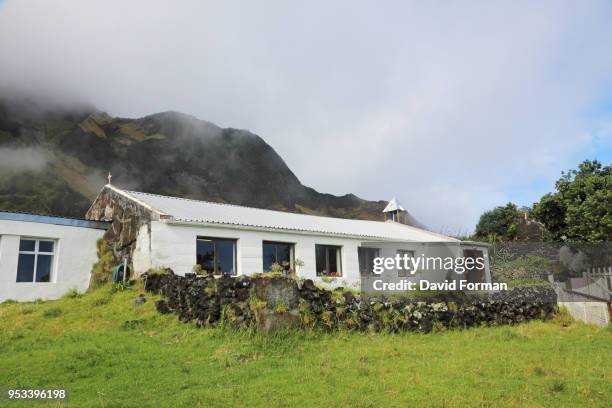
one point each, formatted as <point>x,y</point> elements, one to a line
<point>127,218</point>
<point>275,301</point>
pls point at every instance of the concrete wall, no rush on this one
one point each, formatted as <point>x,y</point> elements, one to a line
<point>590,312</point>
<point>75,252</point>
<point>582,307</point>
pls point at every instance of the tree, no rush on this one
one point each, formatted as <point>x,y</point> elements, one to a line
<point>581,208</point>
<point>498,223</point>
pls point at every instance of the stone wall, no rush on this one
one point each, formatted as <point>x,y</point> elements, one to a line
<point>274,301</point>
<point>127,218</point>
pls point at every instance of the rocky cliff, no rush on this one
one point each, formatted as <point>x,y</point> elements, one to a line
<point>55,160</point>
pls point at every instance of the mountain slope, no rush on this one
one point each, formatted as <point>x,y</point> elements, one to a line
<point>54,161</point>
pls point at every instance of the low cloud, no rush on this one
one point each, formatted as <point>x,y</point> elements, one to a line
<point>452,107</point>
<point>16,160</point>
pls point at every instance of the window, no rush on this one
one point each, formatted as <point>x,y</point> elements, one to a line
<point>366,260</point>
<point>328,260</point>
<point>277,252</point>
<point>474,273</point>
<point>35,262</point>
<point>404,272</point>
<point>217,255</point>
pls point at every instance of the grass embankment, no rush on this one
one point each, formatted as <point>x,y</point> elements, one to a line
<point>108,351</point>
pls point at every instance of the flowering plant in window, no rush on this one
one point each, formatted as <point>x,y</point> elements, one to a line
<point>279,269</point>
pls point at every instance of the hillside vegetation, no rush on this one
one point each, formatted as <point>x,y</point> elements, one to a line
<point>579,210</point>
<point>109,352</point>
<point>55,161</point>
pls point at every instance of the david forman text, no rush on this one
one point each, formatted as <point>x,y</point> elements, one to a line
<point>405,285</point>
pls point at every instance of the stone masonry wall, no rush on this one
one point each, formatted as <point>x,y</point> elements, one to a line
<point>275,301</point>
<point>127,218</point>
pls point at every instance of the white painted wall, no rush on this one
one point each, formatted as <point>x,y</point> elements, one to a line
<point>75,252</point>
<point>141,258</point>
<point>174,246</point>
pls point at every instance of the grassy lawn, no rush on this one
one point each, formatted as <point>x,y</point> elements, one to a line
<point>109,352</point>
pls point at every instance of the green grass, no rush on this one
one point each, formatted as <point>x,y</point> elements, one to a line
<point>109,352</point>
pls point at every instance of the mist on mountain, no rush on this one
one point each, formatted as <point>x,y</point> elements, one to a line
<point>55,156</point>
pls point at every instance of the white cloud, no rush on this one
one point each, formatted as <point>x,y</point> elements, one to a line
<point>448,105</point>
<point>15,160</point>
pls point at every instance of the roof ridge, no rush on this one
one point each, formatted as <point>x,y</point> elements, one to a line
<point>246,206</point>
<point>141,197</point>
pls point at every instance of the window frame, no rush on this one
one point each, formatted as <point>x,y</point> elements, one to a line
<point>473,274</point>
<point>214,240</point>
<point>36,254</point>
<point>371,267</point>
<point>338,248</point>
<point>276,243</point>
<point>401,272</point>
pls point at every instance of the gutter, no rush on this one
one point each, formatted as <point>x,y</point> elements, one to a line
<point>52,220</point>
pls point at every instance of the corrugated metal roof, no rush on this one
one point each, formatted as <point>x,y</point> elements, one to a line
<point>52,219</point>
<point>193,211</point>
<point>394,205</point>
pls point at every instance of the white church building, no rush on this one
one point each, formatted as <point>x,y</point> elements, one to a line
<point>43,257</point>
<point>161,231</point>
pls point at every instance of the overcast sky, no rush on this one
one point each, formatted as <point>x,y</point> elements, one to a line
<point>453,107</point>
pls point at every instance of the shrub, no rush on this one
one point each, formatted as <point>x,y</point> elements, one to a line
<point>197,269</point>
<point>278,268</point>
<point>281,308</point>
<point>120,286</point>
<point>102,270</point>
<point>563,317</point>
<point>72,294</point>
<point>500,222</point>
<point>160,271</point>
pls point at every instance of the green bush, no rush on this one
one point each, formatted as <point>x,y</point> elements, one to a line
<point>102,270</point>
<point>120,286</point>
<point>563,317</point>
<point>498,223</point>
<point>162,271</point>
<point>72,294</point>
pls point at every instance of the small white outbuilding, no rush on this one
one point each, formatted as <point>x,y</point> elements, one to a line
<point>43,257</point>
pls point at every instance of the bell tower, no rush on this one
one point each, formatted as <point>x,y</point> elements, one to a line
<point>394,211</point>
